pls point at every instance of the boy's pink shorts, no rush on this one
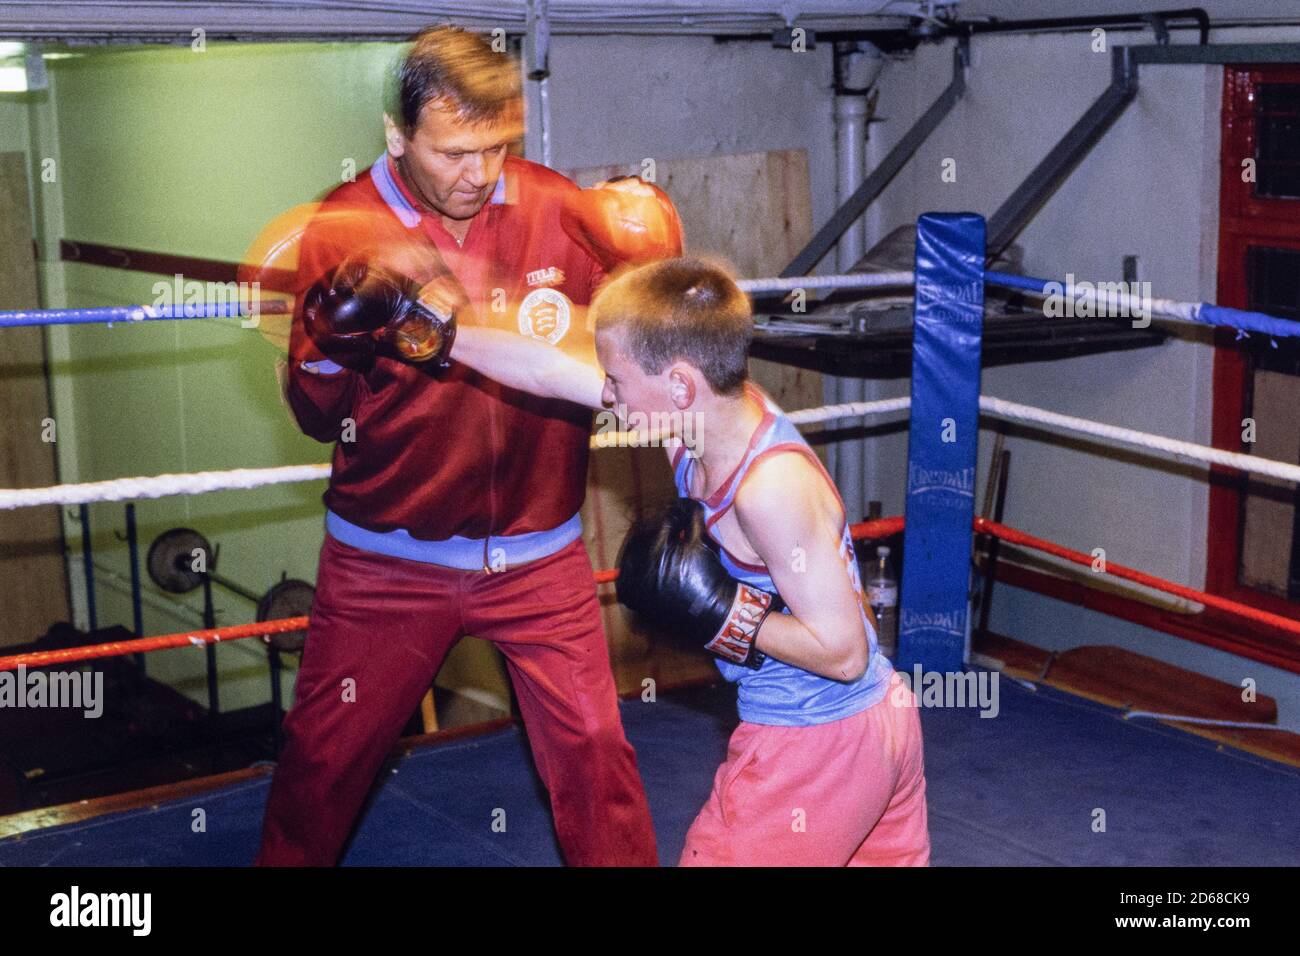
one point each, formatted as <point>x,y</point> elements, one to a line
<point>847,793</point>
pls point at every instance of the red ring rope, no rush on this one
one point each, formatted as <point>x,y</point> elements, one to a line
<point>232,632</point>
<point>984,526</point>
<point>880,528</point>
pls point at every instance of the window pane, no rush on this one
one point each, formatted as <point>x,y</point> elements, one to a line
<point>1270,555</point>
<point>1277,140</point>
<point>1273,281</point>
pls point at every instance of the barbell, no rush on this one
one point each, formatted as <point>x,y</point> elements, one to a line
<point>181,558</point>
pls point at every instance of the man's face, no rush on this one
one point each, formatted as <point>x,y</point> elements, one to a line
<point>626,384</point>
<point>451,165</point>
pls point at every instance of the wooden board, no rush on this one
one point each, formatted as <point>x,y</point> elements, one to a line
<point>753,213</point>
<point>1123,678</point>
<point>33,576</point>
<point>1127,680</point>
<point>1270,503</point>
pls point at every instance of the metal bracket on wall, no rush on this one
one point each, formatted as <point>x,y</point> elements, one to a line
<point>1014,214</point>
<point>880,177</point>
<point>1217,53</point>
<point>1159,27</point>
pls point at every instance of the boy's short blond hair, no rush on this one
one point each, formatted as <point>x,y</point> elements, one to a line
<point>685,309</point>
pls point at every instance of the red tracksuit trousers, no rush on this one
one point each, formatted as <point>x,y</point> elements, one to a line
<point>380,629</point>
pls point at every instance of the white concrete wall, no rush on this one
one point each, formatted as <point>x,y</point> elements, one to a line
<point>623,99</point>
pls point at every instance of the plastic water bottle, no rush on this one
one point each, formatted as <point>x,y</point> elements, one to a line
<point>882,595</point>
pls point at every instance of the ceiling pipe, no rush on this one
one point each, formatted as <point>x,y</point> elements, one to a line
<point>111,21</point>
<point>1161,22</point>
<point>857,67</point>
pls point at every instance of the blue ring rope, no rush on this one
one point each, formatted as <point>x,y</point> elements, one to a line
<point>1203,312</point>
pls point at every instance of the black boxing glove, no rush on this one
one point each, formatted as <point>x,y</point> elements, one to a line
<point>670,575</point>
<point>366,310</point>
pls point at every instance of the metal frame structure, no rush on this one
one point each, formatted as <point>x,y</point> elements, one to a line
<point>883,174</point>
<point>1045,178</point>
<point>1019,208</point>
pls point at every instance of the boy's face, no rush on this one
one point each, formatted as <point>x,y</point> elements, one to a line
<point>626,384</point>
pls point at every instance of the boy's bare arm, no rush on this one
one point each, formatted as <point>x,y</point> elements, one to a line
<point>792,520</point>
<point>531,365</point>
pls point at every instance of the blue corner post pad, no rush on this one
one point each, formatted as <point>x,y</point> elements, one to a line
<point>943,440</point>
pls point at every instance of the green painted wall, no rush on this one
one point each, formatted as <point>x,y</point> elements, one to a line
<point>185,152</point>
<point>13,122</point>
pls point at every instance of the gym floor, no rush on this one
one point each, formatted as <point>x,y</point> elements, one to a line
<point>1056,780</point>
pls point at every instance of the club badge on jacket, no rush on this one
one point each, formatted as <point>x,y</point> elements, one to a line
<point>545,314</point>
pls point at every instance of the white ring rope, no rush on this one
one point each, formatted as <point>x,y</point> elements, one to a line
<point>1127,436</point>
<point>853,280</point>
<point>159,486</point>
<point>826,413</point>
<point>805,416</point>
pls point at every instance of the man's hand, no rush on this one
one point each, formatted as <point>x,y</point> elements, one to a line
<point>669,575</point>
<point>366,310</point>
<point>623,221</point>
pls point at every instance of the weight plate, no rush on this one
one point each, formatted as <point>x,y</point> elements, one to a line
<point>172,557</point>
<point>290,598</point>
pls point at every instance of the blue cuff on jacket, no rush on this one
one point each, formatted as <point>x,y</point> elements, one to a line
<point>323,367</point>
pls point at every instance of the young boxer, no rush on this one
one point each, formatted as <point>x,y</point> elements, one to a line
<point>755,563</point>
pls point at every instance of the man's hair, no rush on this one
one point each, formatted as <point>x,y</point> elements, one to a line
<point>453,67</point>
<point>681,310</point>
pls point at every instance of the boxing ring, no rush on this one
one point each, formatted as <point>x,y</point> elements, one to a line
<point>1176,798</point>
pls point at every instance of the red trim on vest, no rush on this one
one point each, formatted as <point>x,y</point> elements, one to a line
<point>788,446</point>
<point>769,419</point>
<point>764,426</point>
<point>811,456</point>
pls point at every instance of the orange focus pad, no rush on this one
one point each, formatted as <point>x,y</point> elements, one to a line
<point>304,244</point>
<point>623,220</point>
